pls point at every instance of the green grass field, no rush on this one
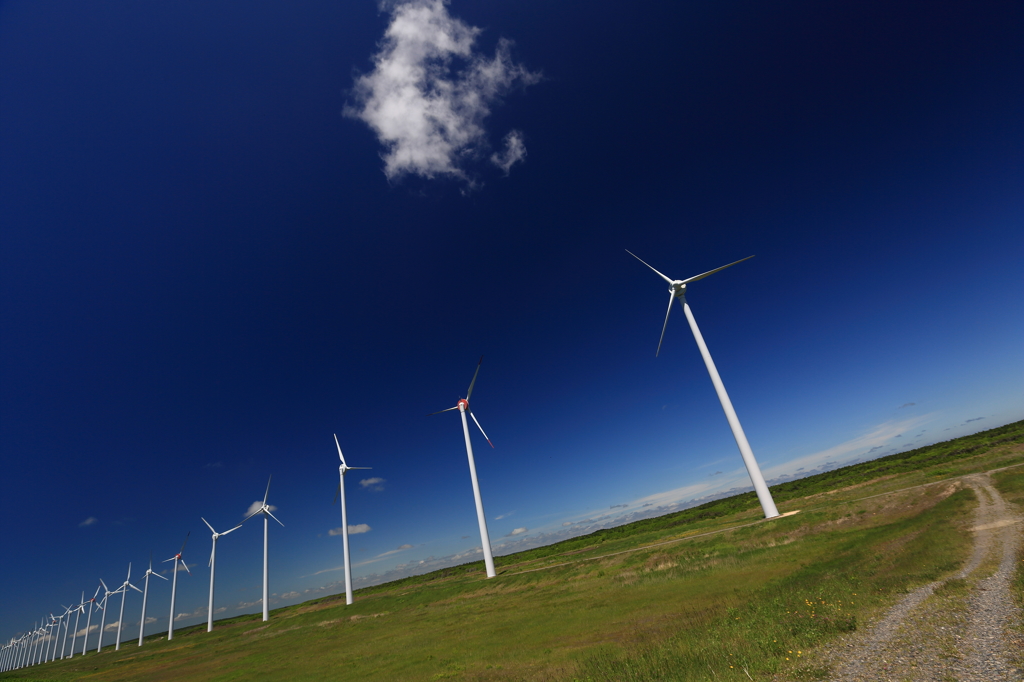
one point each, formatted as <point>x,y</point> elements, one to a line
<point>709,593</point>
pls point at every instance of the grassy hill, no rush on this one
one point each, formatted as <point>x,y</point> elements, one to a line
<point>710,593</point>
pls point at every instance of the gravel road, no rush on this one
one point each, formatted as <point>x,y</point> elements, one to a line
<point>954,635</point>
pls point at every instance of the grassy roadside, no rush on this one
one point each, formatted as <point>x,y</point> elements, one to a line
<point>723,590</point>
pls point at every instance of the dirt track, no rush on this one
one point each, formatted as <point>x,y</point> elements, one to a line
<point>958,629</point>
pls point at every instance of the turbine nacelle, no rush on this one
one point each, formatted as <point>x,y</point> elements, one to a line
<point>463,404</point>
<point>677,288</point>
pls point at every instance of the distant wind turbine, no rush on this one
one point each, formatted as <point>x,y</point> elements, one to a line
<point>342,470</point>
<point>213,567</point>
<point>124,595</point>
<point>265,510</point>
<point>67,623</point>
<point>93,605</point>
<point>463,407</point>
<point>107,592</point>
<point>78,614</point>
<point>145,594</point>
<point>677,290</point>
<point>174,584</point>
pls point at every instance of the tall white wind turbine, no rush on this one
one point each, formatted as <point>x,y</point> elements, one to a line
<point>265,510</point>
<point>124,595</point>
<point>342,470</point>
<point>68,610</point>
<point>78,614</point>
<point>93,605</point>
<point>213,567</point>
<point>107,593</point>
<point>677,290</point>
<point>145,594</point>
<point>463,407</point>
<point>174,584</point>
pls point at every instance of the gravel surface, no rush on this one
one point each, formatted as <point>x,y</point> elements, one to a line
<point>947,638</point>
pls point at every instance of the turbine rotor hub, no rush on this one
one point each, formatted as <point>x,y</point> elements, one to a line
<point>677,287</point>
<point>463,405</point>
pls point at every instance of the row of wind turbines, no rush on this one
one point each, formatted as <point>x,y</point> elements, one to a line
<point>39,645</point>
<point>29,649</point>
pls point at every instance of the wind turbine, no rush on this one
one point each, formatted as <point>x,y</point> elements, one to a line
<point>93,605</point>
<point>677,290</point>
<point>124,595</point>
<point>213,566</point>
<point>106,595</point>
<point>78,614</point>
<point>67,625</point>
<point>174,584</point>
<point>145,594</point>
<point>463,407</point>
<point>265,510</point>
<point>342,470</point>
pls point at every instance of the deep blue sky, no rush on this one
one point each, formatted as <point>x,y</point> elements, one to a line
<point>206,273</point>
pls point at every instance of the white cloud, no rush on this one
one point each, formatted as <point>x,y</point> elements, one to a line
<point>430,91</point>
<point>374,483</point>
<point>150,619</point>
<point>517,531</point>
<point>514,152</point>
<point>504,516</point>
<point>291,595</point>
<point>256,506</point>
<point>88,522</point>
<point>352,530</point>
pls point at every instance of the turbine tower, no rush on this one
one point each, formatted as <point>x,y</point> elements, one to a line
<point>213,567</point>
<point>677,290</point>
<point>463,407</point>
<point>78,614</point>
<point>103,605</point>
<point>174,584</point>
<point>265,510</point>
<point>342,470</point>
<point>124,595</point>
<point>145,594</point>
<point>93,605</point>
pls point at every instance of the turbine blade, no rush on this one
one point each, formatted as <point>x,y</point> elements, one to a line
<point>97,592</point>
<point>105,588</point>
<point>185,566</point>
<point>337,493</point>
<point>339,450</point>
<point>232,530</point>
<point>208,525</point>
<point>274,517</point>
<point>470,391</point>
<point>648,265</point>
<point>185,543</point>
<point>440,411</point>
<point>252,515</point>
<point>671,300</point>
<point>267,494</point>
<point>711,272</point>
<point>360,467</point>
<point>481,428</point>
<point>129,572</point>
<point>135,588</point>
